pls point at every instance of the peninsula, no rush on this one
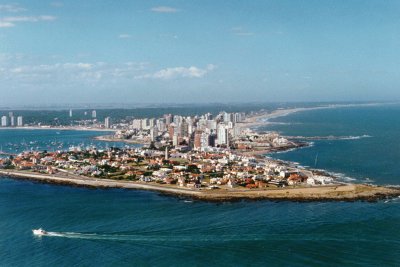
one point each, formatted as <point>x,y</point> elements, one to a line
<point>203,157</point>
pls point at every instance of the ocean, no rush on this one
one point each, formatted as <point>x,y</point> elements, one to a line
<point>115,227</point>
<point>371,153</point>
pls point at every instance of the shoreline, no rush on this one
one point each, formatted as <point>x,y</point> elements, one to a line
<point>109,138</point>
<point>336,192</point>
<point>73,128</point>
<point>263,119</point>
<point>254,121</point>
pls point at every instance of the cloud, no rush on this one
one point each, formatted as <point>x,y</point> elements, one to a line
<point>78,73</point>
<point>164,9</point>
<point>240,31</point>
<point>178,72</point>
<point>8,22</point>
<point>57,4</point>
<point>124,36</point>
<point>4,24</point>
<point>12,8</point>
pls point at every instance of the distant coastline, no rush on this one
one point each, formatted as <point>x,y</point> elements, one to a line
<point>66,128</point>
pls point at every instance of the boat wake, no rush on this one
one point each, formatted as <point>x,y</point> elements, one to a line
<point>153,238</point>
<point>199,238</point>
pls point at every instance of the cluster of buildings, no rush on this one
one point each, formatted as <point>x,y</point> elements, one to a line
<point>12,121</point>
<point>197,132</point>
<point>186,151</point>
<point>217,169</point>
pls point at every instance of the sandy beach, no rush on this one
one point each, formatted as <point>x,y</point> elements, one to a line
<point>263,118</point>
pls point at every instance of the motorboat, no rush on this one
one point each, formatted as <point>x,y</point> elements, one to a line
<point>39,232</point>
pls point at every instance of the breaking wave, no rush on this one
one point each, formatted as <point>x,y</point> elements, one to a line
<point>355,137</point>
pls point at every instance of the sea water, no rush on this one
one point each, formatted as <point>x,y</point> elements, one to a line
<point>371,154</point>
<point>115,227</point>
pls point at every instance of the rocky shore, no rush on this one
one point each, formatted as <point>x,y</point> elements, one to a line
<point>338,192</point>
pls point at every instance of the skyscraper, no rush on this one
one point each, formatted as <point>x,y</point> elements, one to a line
<point>12,121</point>
<point>197,139</point>
<point>4,121</point>
<point>20,121</point>
<point>107,122</point>
<point>153,133</point>
<point>94,114</point>
<point>222,135</point>
<point>70,113</point>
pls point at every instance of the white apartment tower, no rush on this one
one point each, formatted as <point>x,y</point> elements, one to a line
<point>222,135</point>
<point>20,121</point>
<point>4,121</point>
<point>107,122</point>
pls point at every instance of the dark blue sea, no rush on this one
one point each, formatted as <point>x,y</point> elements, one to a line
<point>96,227</point>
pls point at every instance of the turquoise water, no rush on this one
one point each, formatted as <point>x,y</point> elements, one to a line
<point>139,228</point>
<point>16,141</point>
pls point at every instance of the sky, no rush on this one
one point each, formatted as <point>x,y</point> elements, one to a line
<point>205,51</point>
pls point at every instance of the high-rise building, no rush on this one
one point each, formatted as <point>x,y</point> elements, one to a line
<point>145,124</point>
<point>238,117</point>
<point>197,139</point>
<point>20,121</point>
<point>107,122</point>
<point>70,113</point>
<point>4,121</point>
<point>171,130</point>
<point>177,119</point>
<point>166,153</point>
<point>12,121</point>
<point>160,125</point>
<point>153,133</point>
<point>237,131</point>
<point>175,140</point>
<point>152,122</point>
<point>184,129</point>
<point>228,117</point>
<point>137,124</point>
<point>212,125</point>
<point>94,114</point>
<point>222,135</point>
<point>211,140</point>
<point>168,119</point>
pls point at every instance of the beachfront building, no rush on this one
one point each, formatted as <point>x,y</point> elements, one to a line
<point>4,121</point>
<point>12,121</point>
<point>20,121</point>
<point>107,122</point>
